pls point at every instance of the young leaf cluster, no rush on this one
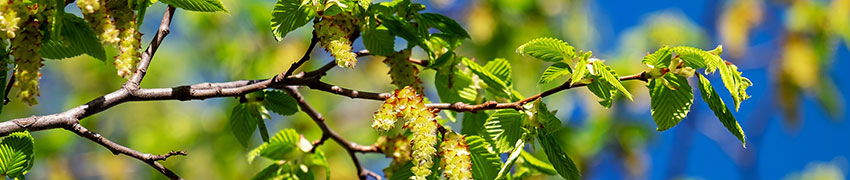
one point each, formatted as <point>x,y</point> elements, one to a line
<point>291,156</point>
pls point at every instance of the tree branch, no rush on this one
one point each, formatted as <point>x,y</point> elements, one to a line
<point>463,107</point>
<point>349,146</point>
<point>163,31</point>
<point>117,149</point>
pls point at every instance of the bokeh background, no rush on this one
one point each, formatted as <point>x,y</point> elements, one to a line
<point>795,52</point>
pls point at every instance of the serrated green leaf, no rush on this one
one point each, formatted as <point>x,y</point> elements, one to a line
<point>270,172</point>
<point>548,49</point>
<point>289,15</point>
<point>379,41</point>
<point>579,71</point>
<point>709,95</point>
<point>279,102</point>
<point>197,5</point>
<point>496,86</point>
<point>504,128</point>
<point>283,146</point>
<point>602,89</point>
<point>660,58</point>
<point>405,30</point>
<point>509,163</point>
<point>444,24</point>
<point>670,106</point>
<point>500,68</point>
<point>559,159</point>
<point>735,83</point>
<point>243,121</point>
<point>16,155</point>
<point>554,71</point>
<point>473,123</point>
<point>550,124</point>
<point>538,164</point>
<point>606,73</point>
<point>697,58</point>
<point>460,89</point>
<point>485,162</point>
<point>78,38</point>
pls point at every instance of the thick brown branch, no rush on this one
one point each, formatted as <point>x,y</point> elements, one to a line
<point>116,149</point>
<point>163,31</point>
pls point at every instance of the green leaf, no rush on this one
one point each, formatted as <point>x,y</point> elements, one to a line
<point>709,95</point>
<point>548,122</point>
<point>78,38</point>
<point>670,106</point>
<point>197,5</point>
<point>697,58</point>
<point>607,74</point>
<point>243,121</point>
<point>602,89</point>
<point>660,58</point>
<point>735,83</point>
<point>460,90</point>
<point>283,146</point>
<point>548,49</point>
<point>141,9</point>
<point>579,71</point>
<point>279,102</point>
<point>273,171</point>
<point>484,161</point>
<point>504,127</point>
<point>473,123</point>
<point>500,68</point>
<point>509,163</point>
<point>444,24</point>
<point>495,85</point>
<point>538,164</point>
<point>289,15</point>
<point>16,155</point>
<point>57,22</point>
<point>554,71</point>
<point>405,30</point>
<point>403,172</point>
<point>379,41</point>
<point>559,159</point>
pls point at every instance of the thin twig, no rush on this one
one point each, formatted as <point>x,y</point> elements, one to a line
<point>116,149</point>
<point>145,61</point>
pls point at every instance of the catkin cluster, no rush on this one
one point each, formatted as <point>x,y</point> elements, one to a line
<point>26,48</point>
<point>456,161</point>
<point>115,24</point>
<point>334,33</point>
<point>420,120</point>
<point>12,14</point>
<point>402,72</point>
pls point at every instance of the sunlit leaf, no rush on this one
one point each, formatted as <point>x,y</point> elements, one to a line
<point>547,49</point>
<point>289,15</point>
<point>709,95</point>
<point>16,155</point>
<point>197,5</point>
<point>670,106</point>
<point>559,159</point>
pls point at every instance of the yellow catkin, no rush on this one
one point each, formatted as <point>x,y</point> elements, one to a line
<point>334,33</point>
<point>129,45</point>
<point>26,48</point>
<point>100,19</point>
<point>12,14</point>
<point>421,122</point>
<point>456,161</point>
<point>402,72</point>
